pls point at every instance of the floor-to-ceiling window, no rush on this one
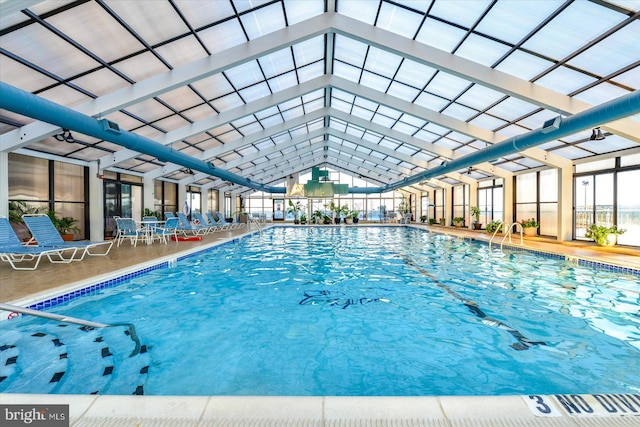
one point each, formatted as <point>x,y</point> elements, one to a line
<point>606,194</point>
<point>165,197</point>
<point>122,197</point>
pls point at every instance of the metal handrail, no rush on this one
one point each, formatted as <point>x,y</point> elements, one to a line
<point>74,320</point>
<point>500,225</point>
<point>254,221</point>
<point>509,232</point>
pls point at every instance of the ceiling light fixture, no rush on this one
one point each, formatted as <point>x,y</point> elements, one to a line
<point>596,135</point>
<point>65,136</point>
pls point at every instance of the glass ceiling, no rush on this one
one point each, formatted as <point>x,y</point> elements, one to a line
<point>381,90</point>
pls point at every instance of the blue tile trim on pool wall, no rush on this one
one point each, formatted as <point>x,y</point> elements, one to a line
<point>51,302</point>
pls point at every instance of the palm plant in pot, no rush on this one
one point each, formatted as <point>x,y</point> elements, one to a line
<point>603,235</point>
<point>458,221</point>
<point>529,226</point>
<point>65,225</point>
<point>295,209</point>
<point>475,213</point>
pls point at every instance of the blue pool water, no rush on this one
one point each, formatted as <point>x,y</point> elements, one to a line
<point>379,311</point>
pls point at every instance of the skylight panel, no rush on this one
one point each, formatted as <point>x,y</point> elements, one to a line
<point>386,142</point>
<point>318,124</point>
<point>298,11</point>
<point>383,120</point>
<point>139,14</point>
<point>375,82</point>
<point>512,108</point>
<point>431,102</point>
<point>182,51</point>
<point>263,145</point>
<point>414,74</point>
<point>263,21</point>
<point>464,150</point>
<point>613,143</point>
<point>293,113</point>
<point>171,123</point>
<point>404,128</point>
<point>223,36</point>
<point>245,74</point>
<point>601,93</point>
<point>565,80</point>
<point>398,20</point>
<point>578,23</point>
<point>278,62</point>
<point>488,122</point>
<point>465,13</point>
<point>436,128</point>
<point>250,128</point>
<point>614,52</point>
<point>181,98</point>
<point>149,110</point>
<point>271,121</point>
<point>403,91</point>
<point>309,72</point>
<point>459,112</point>
<point>512,130</point>
<point>510,21</point>
<point>292,103</point>
<point>440,35</point>
<point>347,72</point>
<point>408,150</point>
<point>283,82</point>
<point>381,62</point>
<point>357,9</point>
<point>448,143</point>
<point>631,78</point>
<point>482,50</point>
<point>523,65</point>
<point>309,51</point>
<point>254,92</point>
<point>200,13</point>
<point>349,144</point>
<point>572,152</point>
<point>362,113</point>
<point>447,85</point>
<point>338,125</point>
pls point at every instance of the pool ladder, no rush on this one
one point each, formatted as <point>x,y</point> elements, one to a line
<point>508,232</point>
<point>254,221</point>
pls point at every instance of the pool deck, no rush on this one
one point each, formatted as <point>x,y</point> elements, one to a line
<point>22,287</point>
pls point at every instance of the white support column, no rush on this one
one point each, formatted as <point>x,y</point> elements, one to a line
<point>148,193</point>
<point>182,195</point>
<point>4,183</point>
<point>473,200</point>
<point>96,203</point>
<point>221,201</point>
<point>565,204</point>
<point>508,200</point>
<point>448,205</point>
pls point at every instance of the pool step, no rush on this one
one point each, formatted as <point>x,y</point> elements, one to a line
<point>63,358</point>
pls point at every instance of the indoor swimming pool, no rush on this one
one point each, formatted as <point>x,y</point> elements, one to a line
<point>341,311</point>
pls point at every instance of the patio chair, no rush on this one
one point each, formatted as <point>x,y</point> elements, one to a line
<point>232,225</point>
<point>185,225</point>
<point>13,252</point>
<point>46,234</point>
<point>169,229</point>
<point>128,229</point>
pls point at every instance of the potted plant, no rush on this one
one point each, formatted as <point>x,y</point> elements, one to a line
<point>335,210</point>
<point>529,226</point>
<point>303,219</point>
<point>475,212</point>
<point>316,217</point>
<point>344,211</point>
<point>16,210</point>
<point>65,225</point>
<point>354,214</point>
<point>326,219</point>
<point>442,221</point>
<point>295,208</point>
<point>458,221</point>
<point>432,221</point>
<point>602,235</point>
<point>494,226</point>
<point>423,218</point>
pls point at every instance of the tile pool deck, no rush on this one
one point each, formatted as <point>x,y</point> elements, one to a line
<point>24,287</point>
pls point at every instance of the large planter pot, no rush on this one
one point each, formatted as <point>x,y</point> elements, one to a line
<point>611,240</point>
<point>477,226</point>
<point>530,231</point>
<point>348,220</point>
<point>67,237</point>
<point>336,220</point>
<point>355,220</point>
<point>458,224</point>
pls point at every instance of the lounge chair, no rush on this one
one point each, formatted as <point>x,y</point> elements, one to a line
<point>185,225</point>
<point>222,225</point>
<point>231,225</point>
<point>13,252</point>
<point>168,215</point>
<point>204,222</point>
<point>128,229</point>
<point>46,234</point>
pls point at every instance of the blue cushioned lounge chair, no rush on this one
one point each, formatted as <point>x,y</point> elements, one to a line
<point>46,234</point>
<point>28,257</point>
<point>185,225</point>
<point>222,225</point>
<point>205,222</point>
